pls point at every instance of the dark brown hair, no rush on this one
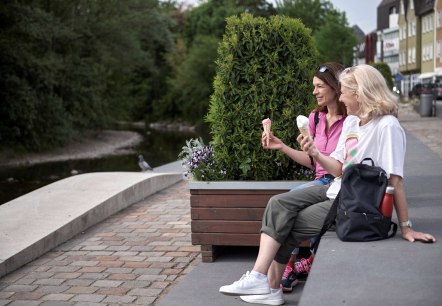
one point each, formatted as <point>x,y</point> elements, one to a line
<point>330,76</point>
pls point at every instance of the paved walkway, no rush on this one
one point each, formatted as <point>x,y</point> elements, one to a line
<point>131,258</point>
<point>136,256</point>
<point>426,129</point>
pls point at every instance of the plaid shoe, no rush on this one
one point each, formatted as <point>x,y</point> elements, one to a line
<point>288,280</point>
<point>303,265</point>
<point>292,276</point>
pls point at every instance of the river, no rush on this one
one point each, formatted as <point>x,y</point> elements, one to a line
<point>158,148</point>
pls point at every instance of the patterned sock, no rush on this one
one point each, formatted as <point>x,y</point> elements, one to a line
<point>310,259</point>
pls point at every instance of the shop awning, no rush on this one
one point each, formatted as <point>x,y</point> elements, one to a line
<point>426,75</point>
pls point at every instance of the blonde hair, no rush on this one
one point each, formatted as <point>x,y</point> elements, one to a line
<point>371,90</point>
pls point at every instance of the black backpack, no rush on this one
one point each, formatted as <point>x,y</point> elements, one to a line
<point>356,207</point>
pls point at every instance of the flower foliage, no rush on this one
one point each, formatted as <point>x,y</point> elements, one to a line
<point>199,162</point>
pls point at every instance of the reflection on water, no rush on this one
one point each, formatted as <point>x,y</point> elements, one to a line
<point>158,148</point>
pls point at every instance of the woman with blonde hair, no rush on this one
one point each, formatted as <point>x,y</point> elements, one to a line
<point>370,130</point>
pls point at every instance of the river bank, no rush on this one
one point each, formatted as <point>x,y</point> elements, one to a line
<point>90,145</point>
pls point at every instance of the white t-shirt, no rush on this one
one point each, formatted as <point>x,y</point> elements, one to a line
<point>382,139</point>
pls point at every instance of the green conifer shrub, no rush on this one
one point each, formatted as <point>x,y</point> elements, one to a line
<point>264,70</point>
<point>385,70</point>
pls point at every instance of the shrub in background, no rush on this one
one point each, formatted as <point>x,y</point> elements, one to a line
<point>264,70</point>
<point>385,70</point>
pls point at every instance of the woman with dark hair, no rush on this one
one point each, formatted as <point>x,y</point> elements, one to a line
<point>325,125</point>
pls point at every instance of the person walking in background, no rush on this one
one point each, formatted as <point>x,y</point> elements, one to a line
<point>325,125</point>
<point>370,130</point>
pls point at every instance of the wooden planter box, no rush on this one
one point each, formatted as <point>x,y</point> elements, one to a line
<point>230,213</point>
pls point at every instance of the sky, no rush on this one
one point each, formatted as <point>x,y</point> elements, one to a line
<point>359,12</point>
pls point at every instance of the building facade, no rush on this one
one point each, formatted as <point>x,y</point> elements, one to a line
<point>409,45</point>
<point>438,39</point>
<point>387,44</point>
<point>420,42</point>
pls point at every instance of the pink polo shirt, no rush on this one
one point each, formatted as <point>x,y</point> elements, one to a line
<point>326,142</point>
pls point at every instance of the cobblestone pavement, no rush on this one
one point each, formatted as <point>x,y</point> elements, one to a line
<point>137,255</point>
<point>426,129</point>
<point>133,257</point>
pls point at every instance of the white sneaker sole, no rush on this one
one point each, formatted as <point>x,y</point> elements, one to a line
<point>259,300</point>
<point>231,291</point>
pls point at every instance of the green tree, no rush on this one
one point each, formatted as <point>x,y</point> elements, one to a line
<point>335,40</point>
<point>311,12</point>
<point>385,70</point>
<point>69,66</point>
<point>32,114</point>
<point>190,86</point>
<point>333,37</point>
<point>188,92</point>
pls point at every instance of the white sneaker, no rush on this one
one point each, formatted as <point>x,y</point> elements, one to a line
<point>248,284</point>
<point>273,298</point>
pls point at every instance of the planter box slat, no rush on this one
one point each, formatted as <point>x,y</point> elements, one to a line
<point>220,213</point>
<point>225,239</point>
<point>230,200</point>
<point>223,226</point>
<point>235,191</point>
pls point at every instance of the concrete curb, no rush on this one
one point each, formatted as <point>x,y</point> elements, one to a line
<point>37,222</point>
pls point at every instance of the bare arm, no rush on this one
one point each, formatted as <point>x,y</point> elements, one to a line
<point>331,165</point>
<point>401,206</point>
<point>277,144</point>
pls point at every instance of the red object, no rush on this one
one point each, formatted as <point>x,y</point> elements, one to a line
<point>386,207</point>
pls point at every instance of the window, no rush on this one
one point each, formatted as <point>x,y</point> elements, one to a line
<point>391,59</point>
<point>427,52</point>
<point>438,48</point>
<point>438,19</point>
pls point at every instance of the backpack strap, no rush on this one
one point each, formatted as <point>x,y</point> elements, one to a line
<point>393,229</point>
<point>316,126</point>
<point>329,219</point>
<point>316,123</point>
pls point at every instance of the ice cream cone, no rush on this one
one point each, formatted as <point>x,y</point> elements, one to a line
<point>266,124</point>
<point>302,122</point>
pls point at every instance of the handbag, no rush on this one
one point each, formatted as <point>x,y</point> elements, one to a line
<point>356,207</point>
